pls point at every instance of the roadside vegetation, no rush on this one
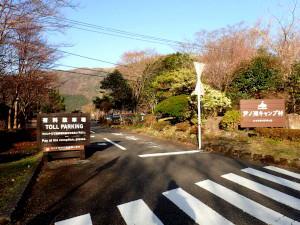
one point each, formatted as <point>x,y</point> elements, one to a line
<point>18,153</point>
<point>241,62</point>
<point>231,142</point>
<point>152,93</point>
<point>12,174</point>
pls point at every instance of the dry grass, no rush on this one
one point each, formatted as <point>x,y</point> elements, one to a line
<point>259,145</point>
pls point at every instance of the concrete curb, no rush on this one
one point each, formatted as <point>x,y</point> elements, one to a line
<point>14,206</point>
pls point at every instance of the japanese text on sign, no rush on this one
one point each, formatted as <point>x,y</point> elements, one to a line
<point>263,113</point>
<point>63,130</point>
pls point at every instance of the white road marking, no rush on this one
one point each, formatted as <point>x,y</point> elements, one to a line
<point>119,146</point>
<point>285,172</point>
<point>79,220</point>
<point>117,134</point>
<point>264,190</point>
<point>197,210</point>
<point>169,153</point>
<point>275,179</point>
<point>153,145</point>
<point>138,213</point>
<point>132,138</point>
<point>92,136</point>
<point>93,132</point>
<point>247,205</point>
<point>101,144</point>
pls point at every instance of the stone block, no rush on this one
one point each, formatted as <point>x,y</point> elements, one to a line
<point>282,161</point>
<point>246,155</point>
<point>237,152</point>
<point>257,157</point>
<point>293,121</point>
<point>268,159</point>
<point>212,125</point>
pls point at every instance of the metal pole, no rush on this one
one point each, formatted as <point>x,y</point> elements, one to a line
<point>199,113</point>
<point>200,91</point>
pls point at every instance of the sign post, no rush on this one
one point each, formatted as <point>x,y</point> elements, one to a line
<point>61,133</point>
<point>199,91</point>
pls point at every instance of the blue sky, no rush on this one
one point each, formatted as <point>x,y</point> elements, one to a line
<point>175,20</point>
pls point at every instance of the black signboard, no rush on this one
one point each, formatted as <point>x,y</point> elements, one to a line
<point>63,132</point>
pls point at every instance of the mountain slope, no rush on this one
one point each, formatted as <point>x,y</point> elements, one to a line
<point>81,81</point>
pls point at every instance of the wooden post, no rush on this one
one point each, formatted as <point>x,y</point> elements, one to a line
<point>45,157</point>
<point>82,154</point>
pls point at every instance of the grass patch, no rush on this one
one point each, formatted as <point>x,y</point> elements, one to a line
<point>17,155</point>
<point>12,174</point>
<point>272,142</point>
<point>278,149</point>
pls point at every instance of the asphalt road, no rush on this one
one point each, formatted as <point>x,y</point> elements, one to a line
<point>121,182</point>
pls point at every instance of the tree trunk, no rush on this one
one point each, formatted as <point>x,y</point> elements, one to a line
<point>16,116</point>
<point>9,119</point>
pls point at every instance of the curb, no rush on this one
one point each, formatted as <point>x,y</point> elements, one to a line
<point>231,151</point>
<point>14,206</point>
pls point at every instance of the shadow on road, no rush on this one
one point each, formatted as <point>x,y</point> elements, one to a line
<point>55,209</point>
<point>169,213</point>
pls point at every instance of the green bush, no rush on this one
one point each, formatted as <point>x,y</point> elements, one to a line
<point>183,126</point>
<point>231,120</point>
<point>176,106</point>
<point>161,125</point>
<point>149,120</point>
<point>280,134</point>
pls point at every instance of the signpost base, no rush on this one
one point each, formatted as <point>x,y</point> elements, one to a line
<point>48,156</point>
<point>45,157</point>
<point>82,154</point>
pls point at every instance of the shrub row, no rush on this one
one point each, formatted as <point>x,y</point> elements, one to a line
<point>161,125</point>
<point>279,133</point>
<point>183,126</point>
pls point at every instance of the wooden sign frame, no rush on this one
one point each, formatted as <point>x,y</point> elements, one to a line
<point>60,132</point>
<point>263,113</point>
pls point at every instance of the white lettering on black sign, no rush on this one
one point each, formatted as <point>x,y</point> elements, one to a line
<point>63,130</point>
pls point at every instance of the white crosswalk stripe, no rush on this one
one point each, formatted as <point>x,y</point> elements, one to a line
<point>264,190</point>
<point>282,171</point>
<point>275,179</point>
<point>137,212</point>
<point>247,205</point>
<point>195,209</point>
<point>78,220</point>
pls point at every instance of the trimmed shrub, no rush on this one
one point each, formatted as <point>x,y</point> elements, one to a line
<point>231,120</point>
<point>183,126</point>
<point>149,120</point>
<point>280,134</point>
<point>161,125</point>
<point>176,106</point>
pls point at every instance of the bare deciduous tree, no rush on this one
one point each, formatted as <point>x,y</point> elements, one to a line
<point>24,53</point>
<point>134,68</point>
<point>223,50</point>
<point>282,34</point>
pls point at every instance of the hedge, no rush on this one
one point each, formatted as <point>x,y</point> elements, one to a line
<point>279,133</point>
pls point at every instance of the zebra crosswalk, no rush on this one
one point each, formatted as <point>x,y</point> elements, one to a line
<point>138,213</point>
<point>194,208</point>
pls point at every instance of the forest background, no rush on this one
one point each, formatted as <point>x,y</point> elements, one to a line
<point>241,62</point>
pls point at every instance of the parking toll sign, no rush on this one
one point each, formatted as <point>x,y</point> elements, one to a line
<point>63,132</point>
